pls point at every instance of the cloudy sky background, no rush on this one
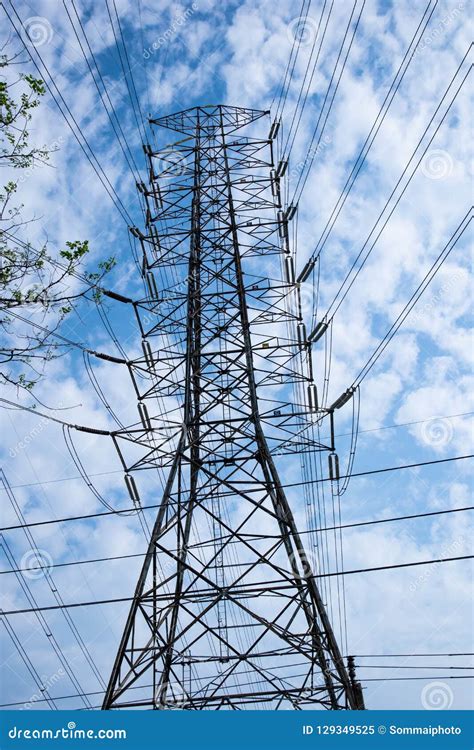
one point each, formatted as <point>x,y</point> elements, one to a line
<point>236,53</point>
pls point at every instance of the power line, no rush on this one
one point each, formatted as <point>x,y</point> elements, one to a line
<point>119,600</point>
<point>454,239</point>
<point>359,162</point>
<point>336,304</point>
<point>88,154</point>
<point>204,544</point>
<point>125,64</point>
<point>382,471</point>
<point>408,424</point>
<point>342,434</point>
<point>28,663</point>
<point>49,635</point>
<point>51,583</point>
<point>390,656</point>
<point>317,37</point>
<point>297,37</point>
<point>402,192</point>
<point>329,528</point>
<point>311,153</point>
<point>99,692</point>
<point>81,428</point>
<point>121,140</point>
<point>404,679</point>
<point>410,666</point>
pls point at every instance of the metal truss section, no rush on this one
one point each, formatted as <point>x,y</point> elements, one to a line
<point>226,603</point>
<point>212,118</point>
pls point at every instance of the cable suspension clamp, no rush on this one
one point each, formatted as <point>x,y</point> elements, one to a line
<point>289,269</point>
<point>274,129</point>
<point>151,283</point>
<point>333,461</point>
<point>282,167</point>
<point>343,399</point>
<point>290,212</point>
<point>301,333</point>
<point>136,233</point>
<point>148,354</point>
<point>116,296</point>
<point>308,268</point>
<point>319,331</point>
<point>313,397</point>
<point>144,416</point>
<point>132,489</point>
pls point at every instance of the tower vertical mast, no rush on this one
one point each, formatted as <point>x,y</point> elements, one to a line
<point>225,602</point>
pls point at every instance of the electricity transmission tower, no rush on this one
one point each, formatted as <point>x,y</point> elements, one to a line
<point>227,600</point>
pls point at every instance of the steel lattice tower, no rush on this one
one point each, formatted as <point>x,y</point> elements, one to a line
<point>226,598</point>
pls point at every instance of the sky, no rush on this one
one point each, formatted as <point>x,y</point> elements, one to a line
<point>416,403</point>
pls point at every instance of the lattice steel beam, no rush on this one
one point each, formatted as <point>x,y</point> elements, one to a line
<point>225,353</point>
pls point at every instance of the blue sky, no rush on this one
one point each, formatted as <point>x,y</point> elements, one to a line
<point>236,53</point>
